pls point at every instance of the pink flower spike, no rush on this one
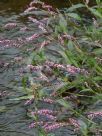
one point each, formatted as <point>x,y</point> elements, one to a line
<point>35,21</point>
<point>44,111</point>
<point>75,123</point>
<point>7,41</point>
<point>35,68</point>
<point>35,2</point>
<point>10,25</point>
<point>2,37</point>
<point>28,102</point>
<point>42,28</point>
<point>54,126</point>
<point>50,116</point>
<point>91,115</point>
<point>44,43</point>
<point>32,125</point>
<point>30,9</point>
<point>48,100</point>
<point>31,38</point>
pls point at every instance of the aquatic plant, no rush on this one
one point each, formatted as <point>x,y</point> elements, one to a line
<point>79,60</point>
<point>73,78</point>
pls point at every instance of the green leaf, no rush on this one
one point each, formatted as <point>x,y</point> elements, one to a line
<point>97,78</point>
<point>83,128</point>
<point>77,6</point>
<point>74,15</point>
<point>51,134</point>
<point>22,98</point>
<point>62,23</point>
<point>98,96</point>
<point>70,45</point>
<point>65,57</point>
<point>63,103</point>
<point>98,2</point>
<point>87,90</point>
<point>95,12</point>
<point>98,51</point>
<point>2,109</point>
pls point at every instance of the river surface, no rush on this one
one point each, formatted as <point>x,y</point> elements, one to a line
<point>13,114</point>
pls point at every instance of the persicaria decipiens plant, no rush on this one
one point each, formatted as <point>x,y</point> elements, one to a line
<point>53,123</point>
<point>52,74</point>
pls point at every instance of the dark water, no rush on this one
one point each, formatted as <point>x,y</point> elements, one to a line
<point>17,6</point>
<point>13,5</point>
<point>13,114</point>
<point>62,3</point>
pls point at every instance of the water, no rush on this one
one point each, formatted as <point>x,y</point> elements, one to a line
<point>13,120</point>
<point>61,4</point>
<point>13,114</point>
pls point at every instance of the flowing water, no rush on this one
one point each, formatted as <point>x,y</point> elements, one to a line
<point>13,114</point>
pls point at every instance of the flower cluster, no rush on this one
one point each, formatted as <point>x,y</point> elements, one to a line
<point>68,68</point>
<point>48,100</point>
<point>30,9</point>
<point>35,21</point>
<point>92,115</point>
<point>34,68</point>
<point>40,24</point>
<point>34,4</point>
<point>49,126</point>
<point>10,25</point>
<point>53,126</point>
<point>31,38</point>
<point>32,125</point>
<point>75,123</point>
<point>45,112</point>
<point>28,102</point>
<point>48,113</point>
<point>62,38</point>
<point>3,94</point>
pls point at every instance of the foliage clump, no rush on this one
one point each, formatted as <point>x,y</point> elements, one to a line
<point>64,69</point>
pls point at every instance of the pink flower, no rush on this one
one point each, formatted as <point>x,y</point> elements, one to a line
<point>44,19</point>
<point>45,112</point>
<point>53,126</point>
<point>23,29</point>
<point>70,69</point>
<point>35,21</point>
<point>48,7</point>
<point>18,59</point>
<point>69,37</point>
<point>29,9</point>
<point>28,102</point>
<point>35,68</point>
<point>31,38</point>
<point>91,115</point>
<point>7,41</point>
<point>42,28</point>
<point>61,39</point>
<point>32,125</point>
<point>75,123</point>
<point>43,77</point>
<point>44,43</point>
<point>2,37</point>
<point>48,100</point>
<point>35,2</point>
<point>10,25</point>
<point>3,94</point>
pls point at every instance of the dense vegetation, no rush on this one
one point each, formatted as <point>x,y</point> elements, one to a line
<point>64,69</point>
